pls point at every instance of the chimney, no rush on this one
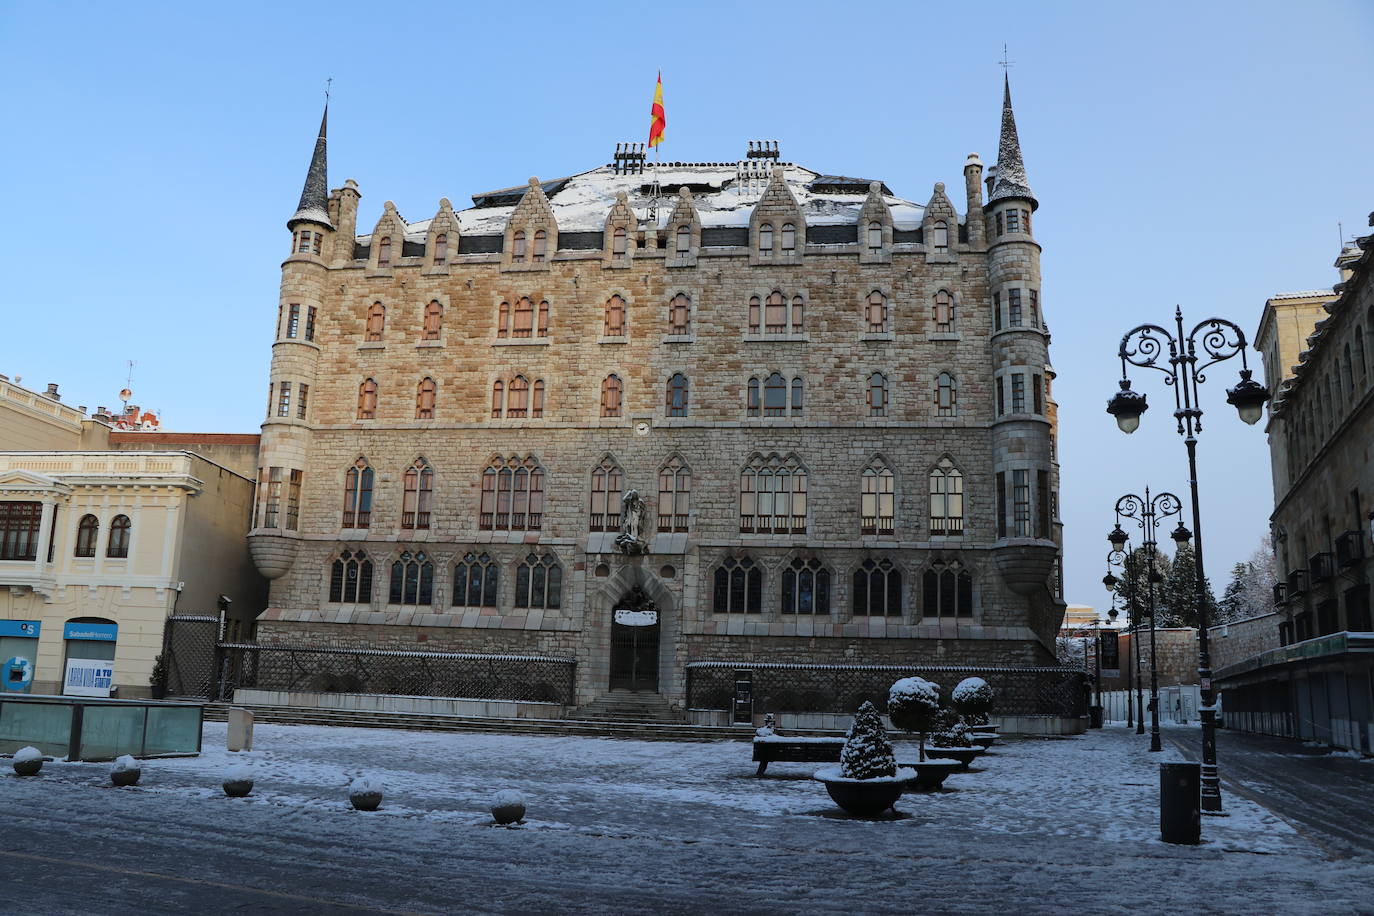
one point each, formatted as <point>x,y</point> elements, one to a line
<point>52,392</point>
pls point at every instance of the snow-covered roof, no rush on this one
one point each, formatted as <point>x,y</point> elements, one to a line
<point>580,202</point>
<point>1303,294</point>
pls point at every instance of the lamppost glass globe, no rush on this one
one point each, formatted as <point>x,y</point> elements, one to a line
<point>1248,398</point>
<point>1127,406</point>
<point>1117,538</point>
<point>1181,535</point>
<point>1109,581</point>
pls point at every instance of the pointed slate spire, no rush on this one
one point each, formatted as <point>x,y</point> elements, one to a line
<point>314,205</point>
<point>1011,171</point>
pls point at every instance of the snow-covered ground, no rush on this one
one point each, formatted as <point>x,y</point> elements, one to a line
<point>625,825</point>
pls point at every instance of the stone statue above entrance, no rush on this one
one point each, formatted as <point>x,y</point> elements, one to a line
<point>633,519</point>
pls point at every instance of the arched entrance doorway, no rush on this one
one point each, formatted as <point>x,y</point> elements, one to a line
<point>634,642</point>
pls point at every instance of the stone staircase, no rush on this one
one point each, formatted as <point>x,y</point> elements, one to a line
<point>630,707</point>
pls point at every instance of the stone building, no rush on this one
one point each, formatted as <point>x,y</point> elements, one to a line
<point>831,405</point>
<point>1314,679</point>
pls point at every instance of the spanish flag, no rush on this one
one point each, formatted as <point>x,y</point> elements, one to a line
<point>656,115</point>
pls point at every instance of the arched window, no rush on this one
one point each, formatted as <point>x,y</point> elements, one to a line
<point>518,398</point>
<point>766,238</point>
<point>614,325</point>
<point>475,581</point>
<point>608,481</point>
<point>946,500</point>
<point>512,495</point>
<point>772,497</point>
<point>877,395</point>
<point>798,314</point>
<point>940,237</point>
<point>539,583</point>
<point>944,312</point>
<point>612,393</point>
<point>541,245</point>
<point>755,308</point>
<point>412,579</point>
<point>618,244</point>
<point>754,406</point>
<point>674,495</point>
<point>775,314</point>
<point>878,500</point>
<point>376,321</point>
<point>684,239</point>
<point>441,248</point>
<point>357,510</point>
<point>680,314</point>
<point>503,320</point>
<point>798,390</point>
<point>738,587</point>
<point>775,396</point>
<point>87,533</point>
<point>524,318</point>
<point>789,238</point>
<point>498,399</point>
<point>434,320</point>
<point>875,313</point>
<point>367,400</point>
<point>805,587</point>
<point>875,236</point>
<point>424,399</point>
<point>350,578</point>
<point>1359,357</point>
<point>947,591</point>
<point>946,395</point>
<point>877,589</point>
<point>417,494</point>
<point>1347,376</point>
<point>517,253</point>
<point>677,395</point>
<point>537,401</point>
<point>384,252</point>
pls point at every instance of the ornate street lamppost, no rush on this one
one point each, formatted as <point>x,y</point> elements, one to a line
<point>1148,513</point>
<point>1211,341</point>
<point>1119,559</point>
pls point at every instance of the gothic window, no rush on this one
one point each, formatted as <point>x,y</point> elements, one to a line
<point>539,583</point>
<point>940,237</point>
<point>425,394</point>
<point>517,254</point>
<point>87,532</point>
<point>284,399</point>
<point>1359,356</point>
<point>498,399</point>
<point>503,320</point>
<point>944,312</point>
<point>798,390</point>
<point>766,239</point>
<point>614,325</point>
<point>946,499</point>
<point>875,313</point>
<point>412,580</point>
<point>118,545</point>
<point>674,495</point>
<point>755,307</point>
<point>789,238</point>
<point>537,399</point>
<point>875,235</point>
<point>947,591</point>
<point>293,321</point>
<point>877,589</point>
<point>475,581</point>
<point>384,252</point>
<point>357,510</point>
<point>512,495</point>
<point>441,248</point>
<point>775,396</point>
<point>798,314</point>
<point>775,314</point>
<point>805,587</point>
<point>684,239</point>
<point>877,395</point>
<point>367,400</point>
<point>680,315</point>
<point>524,318</point>
<point>677,395</point>
<point>878,500</point>
<point>417,494</point>
<point>350,578</point>
<point>618,244</point>
<point>772,497</point>
<point>946,395</point>
<point>376,321</point>
<point>1346,375</point>
<point>738,587</point>
<point>608,481</point>
<point>541,245</point>
<point>434,320</point>
<point>767,397</point>
<point>302,400</point>
<point>517,398</point>
<point>543,318</point>
<point>612,392</point>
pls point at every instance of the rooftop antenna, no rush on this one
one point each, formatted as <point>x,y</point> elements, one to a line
<point>1005,63</point>
<point>327,84</point>
<point>128,388</point>
<point>1340,231</point>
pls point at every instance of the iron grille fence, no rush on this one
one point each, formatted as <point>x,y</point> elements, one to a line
<point>789,687</point>
<point>189,655</point>
<point>325,669</point>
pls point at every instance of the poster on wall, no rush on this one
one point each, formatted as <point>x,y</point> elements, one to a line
<point>88,677</point>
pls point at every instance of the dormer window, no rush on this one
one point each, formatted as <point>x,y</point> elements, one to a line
<point>617,245</point>
<point>875,235</point>
<point>517,254</point>
<point>789,238</point>
<point>384,252</point>
<point>940,237</point>
<point>766,239</point>
<point>684,239</point>
<point>441,248</point>
<point>541,245</point>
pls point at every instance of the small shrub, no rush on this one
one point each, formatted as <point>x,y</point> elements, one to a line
<point>867,753</point>
<point>912,704</point>
<point>973,698</point>
<point>950,731</point>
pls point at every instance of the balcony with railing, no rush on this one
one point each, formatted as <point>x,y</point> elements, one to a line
<point>876,524</point>
<point>1349,548</point>
<point>672,523</point>
<point>772,524</point>
<point>510,521</point>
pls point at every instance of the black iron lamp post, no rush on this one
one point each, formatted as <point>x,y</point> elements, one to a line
<point>1189,356</point>
<point>1148,513</point>
<point>1135,717</point>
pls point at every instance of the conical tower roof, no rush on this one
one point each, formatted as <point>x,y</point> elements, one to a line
<point>1011,170</point>
<point>314,205</point>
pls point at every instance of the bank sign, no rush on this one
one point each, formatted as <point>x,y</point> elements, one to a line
<point>24,629</point>
<point>101,632</point>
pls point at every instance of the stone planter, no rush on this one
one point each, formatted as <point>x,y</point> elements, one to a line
<point>365,794</point>
<point>864,797</point>
<point>238,781</point>
<point>27,761</point>
<point>964,755</point>
<point>983,739</point>
<point>508,807</point>
<point>930,774</point>
<point>125,771</point>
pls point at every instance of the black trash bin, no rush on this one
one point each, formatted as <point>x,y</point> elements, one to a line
<point>1180,803</point>
<point>1094,717</point>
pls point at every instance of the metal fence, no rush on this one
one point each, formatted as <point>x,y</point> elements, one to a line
<point>189,656</point>
<point>322,669</point>
<point>785,687</point>
<point>1177,705</point>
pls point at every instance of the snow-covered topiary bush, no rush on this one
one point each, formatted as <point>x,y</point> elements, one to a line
<point>365,793</point>
<point>973,697</point>
<point>912,704</point>
<point>125,771</point>
<point>508,806</point>
<point>238,781</point>
<point>867,753</point>
<point>950,731</point>
<point>27,761</point>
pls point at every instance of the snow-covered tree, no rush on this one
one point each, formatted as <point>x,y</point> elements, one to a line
<point>912,705</point>
<point>867,753</point>
<point>1132,585</point>
<point>1179,606</point>
<point>972,698</point>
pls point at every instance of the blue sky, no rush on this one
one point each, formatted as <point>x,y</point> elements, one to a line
<point>1199,154</point>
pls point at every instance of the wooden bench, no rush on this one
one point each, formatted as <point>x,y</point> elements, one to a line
<point>796,750</point>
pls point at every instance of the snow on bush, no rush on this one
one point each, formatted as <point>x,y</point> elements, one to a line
<point>950,731</point>
<point>27,753</point>
<point>124,763</point>
<point>867,753</point>
<point>972,695</point>
<point>912,704</point>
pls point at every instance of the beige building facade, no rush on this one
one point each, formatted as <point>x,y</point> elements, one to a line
<point>763,414</point>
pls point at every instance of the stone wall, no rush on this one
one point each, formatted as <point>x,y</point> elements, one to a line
<point>1242,639</point>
